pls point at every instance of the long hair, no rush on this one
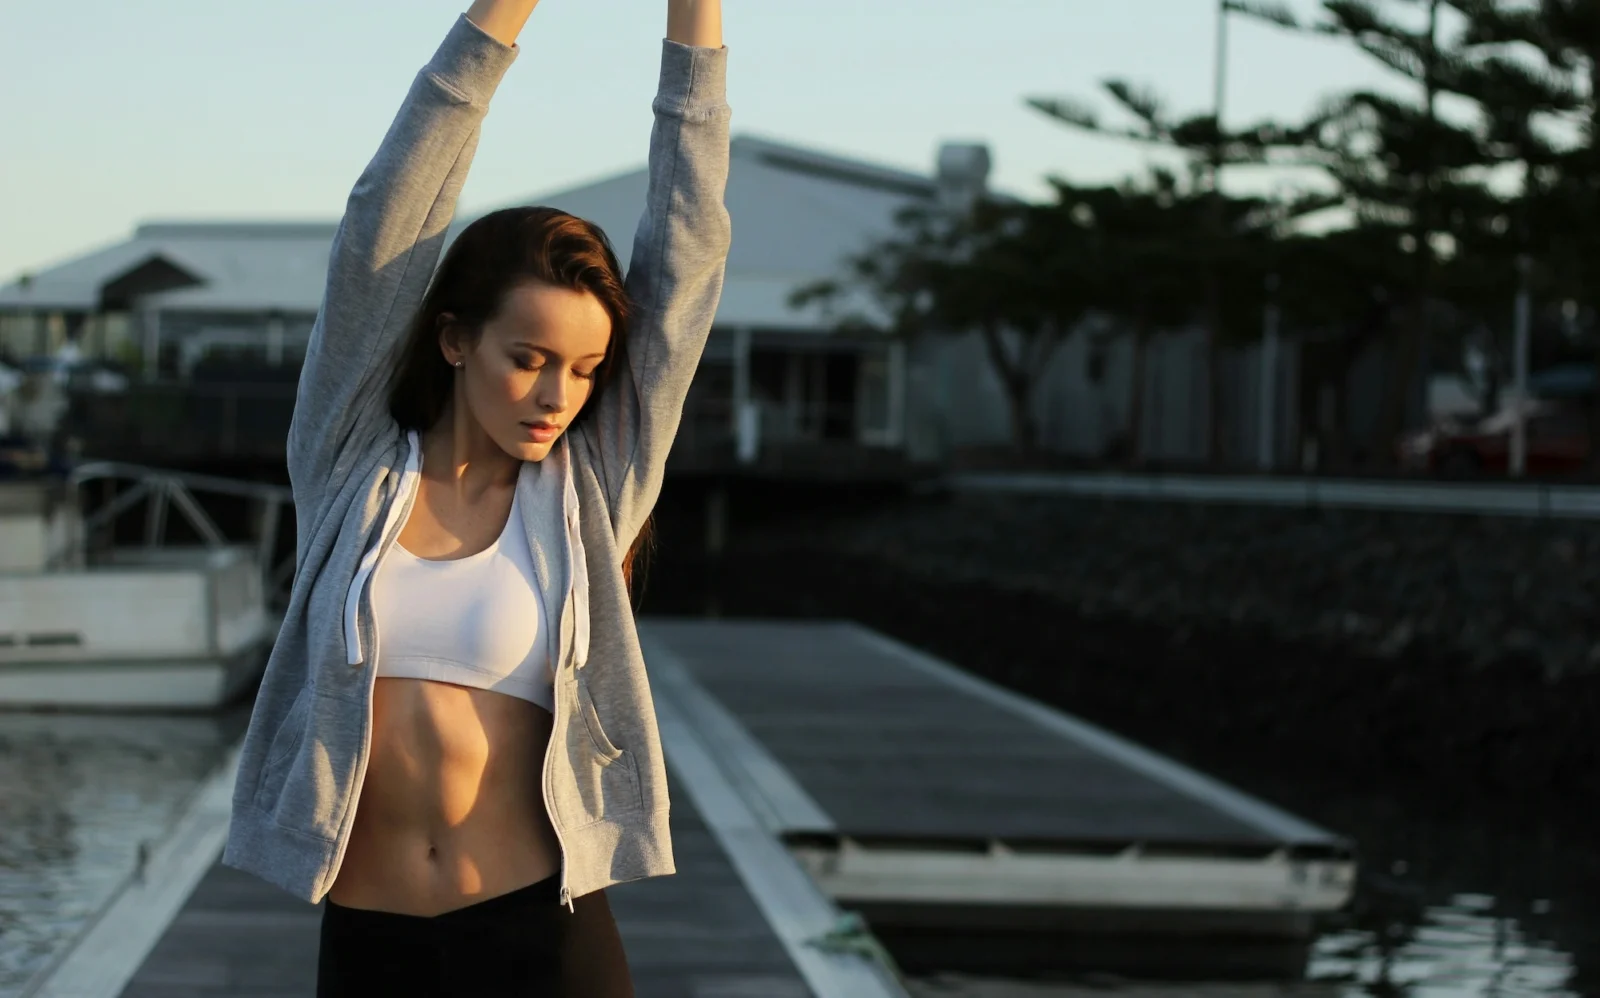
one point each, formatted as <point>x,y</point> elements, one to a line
<point>491,257</point>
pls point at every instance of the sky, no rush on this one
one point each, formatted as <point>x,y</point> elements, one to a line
<point>119,112</point>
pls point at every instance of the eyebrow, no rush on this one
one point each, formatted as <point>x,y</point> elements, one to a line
<point>551,353</point>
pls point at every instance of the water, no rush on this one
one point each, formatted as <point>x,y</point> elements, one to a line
<point>78,794</point>
<point>1462,949</point>
<point>1489,905</point>
<point>1460,899</point>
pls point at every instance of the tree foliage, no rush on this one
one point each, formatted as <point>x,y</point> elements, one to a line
<point>1437,219</point>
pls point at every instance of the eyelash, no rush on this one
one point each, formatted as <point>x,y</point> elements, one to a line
<point>528,366</point>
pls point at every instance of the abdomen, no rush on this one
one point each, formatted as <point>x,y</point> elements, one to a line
<point>452,808</point>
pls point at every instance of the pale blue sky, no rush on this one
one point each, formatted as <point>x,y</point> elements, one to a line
<point>116,112</point>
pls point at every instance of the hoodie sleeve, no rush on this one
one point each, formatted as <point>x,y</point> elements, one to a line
<point>674,281</point>
<point>384,253</point>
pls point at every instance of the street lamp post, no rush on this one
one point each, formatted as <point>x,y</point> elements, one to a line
<point>1212,394</point>
<point>1221,81</point>
<point>1519,369</point>
<point>1268,414</point>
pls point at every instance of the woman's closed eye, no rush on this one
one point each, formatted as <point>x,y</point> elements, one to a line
<point>537,364</point>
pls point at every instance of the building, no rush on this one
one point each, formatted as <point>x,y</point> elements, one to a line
<point>215,316</point>
<point>203,309</point>
<point>175,292</point>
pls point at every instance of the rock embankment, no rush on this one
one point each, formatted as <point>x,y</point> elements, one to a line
<point>1482,590</point>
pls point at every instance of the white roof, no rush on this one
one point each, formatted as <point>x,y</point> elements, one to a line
<point>796,215</point>
<point>233,266</point>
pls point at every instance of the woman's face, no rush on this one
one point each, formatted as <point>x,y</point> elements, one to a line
<point>532,368</point>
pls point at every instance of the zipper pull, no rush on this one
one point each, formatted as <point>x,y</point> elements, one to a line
<point>566,899</point>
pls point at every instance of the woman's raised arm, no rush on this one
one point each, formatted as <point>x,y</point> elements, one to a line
<point>675,272</point>
<point>695,22</point>
<point>501,20</point>
<point>388,242</point>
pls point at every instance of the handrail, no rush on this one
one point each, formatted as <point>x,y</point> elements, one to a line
<point>160,490</point>
<point>90,470</point>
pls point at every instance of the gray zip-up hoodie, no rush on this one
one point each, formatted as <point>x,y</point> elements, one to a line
<point>355,474</point>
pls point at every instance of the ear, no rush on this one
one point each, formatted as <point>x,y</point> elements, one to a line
<point>452,342</point>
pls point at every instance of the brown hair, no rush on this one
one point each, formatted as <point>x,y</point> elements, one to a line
<point>491,256</point>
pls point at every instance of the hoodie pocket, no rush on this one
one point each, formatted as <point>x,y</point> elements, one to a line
<point>604,778</point>
<point>283,749</point>
<point>591,722</point>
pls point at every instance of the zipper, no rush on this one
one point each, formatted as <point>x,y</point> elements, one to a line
<point>392,529</point>
<point>549,800</point>
<point>555,703</point>
<point>561,845</point>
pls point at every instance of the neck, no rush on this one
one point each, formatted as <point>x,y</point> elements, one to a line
<point>456,451</point>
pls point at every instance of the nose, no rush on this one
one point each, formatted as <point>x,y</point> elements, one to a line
<point>552,389</point>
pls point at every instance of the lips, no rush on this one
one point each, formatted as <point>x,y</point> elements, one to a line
<point>542,432</point>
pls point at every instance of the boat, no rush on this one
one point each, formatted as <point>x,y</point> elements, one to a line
<point>152,627</point>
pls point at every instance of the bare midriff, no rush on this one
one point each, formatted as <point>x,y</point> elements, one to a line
<point>452,808</point>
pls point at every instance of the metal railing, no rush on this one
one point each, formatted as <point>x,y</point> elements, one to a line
<point>161,491</point>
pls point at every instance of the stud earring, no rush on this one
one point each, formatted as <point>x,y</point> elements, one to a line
<point>458,363</point>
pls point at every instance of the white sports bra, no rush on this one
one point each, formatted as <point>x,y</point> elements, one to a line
<point>475,621</point>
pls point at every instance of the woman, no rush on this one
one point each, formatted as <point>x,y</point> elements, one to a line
<point>454,741</point>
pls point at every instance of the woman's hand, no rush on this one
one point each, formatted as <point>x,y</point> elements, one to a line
<point>695,22</point>
<point>501,20</point>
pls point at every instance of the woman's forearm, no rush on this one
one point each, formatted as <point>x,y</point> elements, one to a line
<point>501,20</point>
<point>689,22</point>
<point>695,22</point>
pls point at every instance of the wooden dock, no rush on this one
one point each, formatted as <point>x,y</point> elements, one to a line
<point>820,768</point>
<point>981,831</point>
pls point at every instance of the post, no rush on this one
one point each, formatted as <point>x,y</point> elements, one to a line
<point>716,542</point>
<point>745,430</point>
<point>716,520</point>
<point>1519,369</point>
<point>1221,77</point>
<point>275,335</point>
<point>155,513</point>
<point>267,539</point>
<point>897,394</point>
<point>1214,446</point>
<point>1269,378</point>
<point>152,343</point>
<point>229,444</point>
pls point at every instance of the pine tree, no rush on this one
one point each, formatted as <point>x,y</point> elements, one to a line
<point>1563,189</point>
<point>1209,148</point>
<point>1405,175</point>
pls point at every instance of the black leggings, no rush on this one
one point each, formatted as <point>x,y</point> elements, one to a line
<point>507,946</point>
